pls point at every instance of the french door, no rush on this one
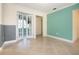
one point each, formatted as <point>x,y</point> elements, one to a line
<point>24,25</point>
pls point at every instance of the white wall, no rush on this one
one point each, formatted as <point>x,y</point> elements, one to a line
<point>10,12</point>
<point>9,17</point>
<point>0,13</point>
<point>45,25</point>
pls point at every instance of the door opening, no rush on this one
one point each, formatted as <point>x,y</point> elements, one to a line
<point>39,26</point>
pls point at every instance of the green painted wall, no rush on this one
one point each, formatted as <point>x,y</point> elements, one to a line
<point>60,22</point>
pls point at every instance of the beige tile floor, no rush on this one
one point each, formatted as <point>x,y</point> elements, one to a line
<point>41,46</point>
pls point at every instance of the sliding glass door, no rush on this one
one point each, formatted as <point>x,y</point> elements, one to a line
<point>24,25</point>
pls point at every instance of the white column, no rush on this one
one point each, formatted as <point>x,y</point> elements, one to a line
<point>45,25</point>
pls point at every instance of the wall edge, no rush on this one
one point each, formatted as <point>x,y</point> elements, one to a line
<point>61,8</point>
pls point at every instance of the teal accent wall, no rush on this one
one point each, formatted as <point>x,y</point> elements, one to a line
<point>59,23</point>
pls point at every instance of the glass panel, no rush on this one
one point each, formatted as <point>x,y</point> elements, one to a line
<point>29,20</point>
<point>19,23</point>
<point>30,26</point>
<point>24,31</point>
<point>28,31</point>
<point>25,24</point>
<point>20,32</point>
<point>20,16</point>
<point>24,17</point>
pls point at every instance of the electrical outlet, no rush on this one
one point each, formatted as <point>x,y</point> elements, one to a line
<point>56,33</point>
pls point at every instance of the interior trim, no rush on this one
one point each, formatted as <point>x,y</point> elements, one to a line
<point>8,42</point>
<point>59,38</point>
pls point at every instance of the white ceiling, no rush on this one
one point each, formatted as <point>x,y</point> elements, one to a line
<point>44,7</point>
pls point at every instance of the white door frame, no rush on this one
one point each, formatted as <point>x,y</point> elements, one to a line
<point>74,28</point>
<point>17,37</point>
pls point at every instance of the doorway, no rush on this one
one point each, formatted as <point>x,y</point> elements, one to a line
<point>39,26</point>
<point>24,25</point>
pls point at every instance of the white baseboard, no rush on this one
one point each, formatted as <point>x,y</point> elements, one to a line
<point>7,42</point>
<point>59,38</point>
